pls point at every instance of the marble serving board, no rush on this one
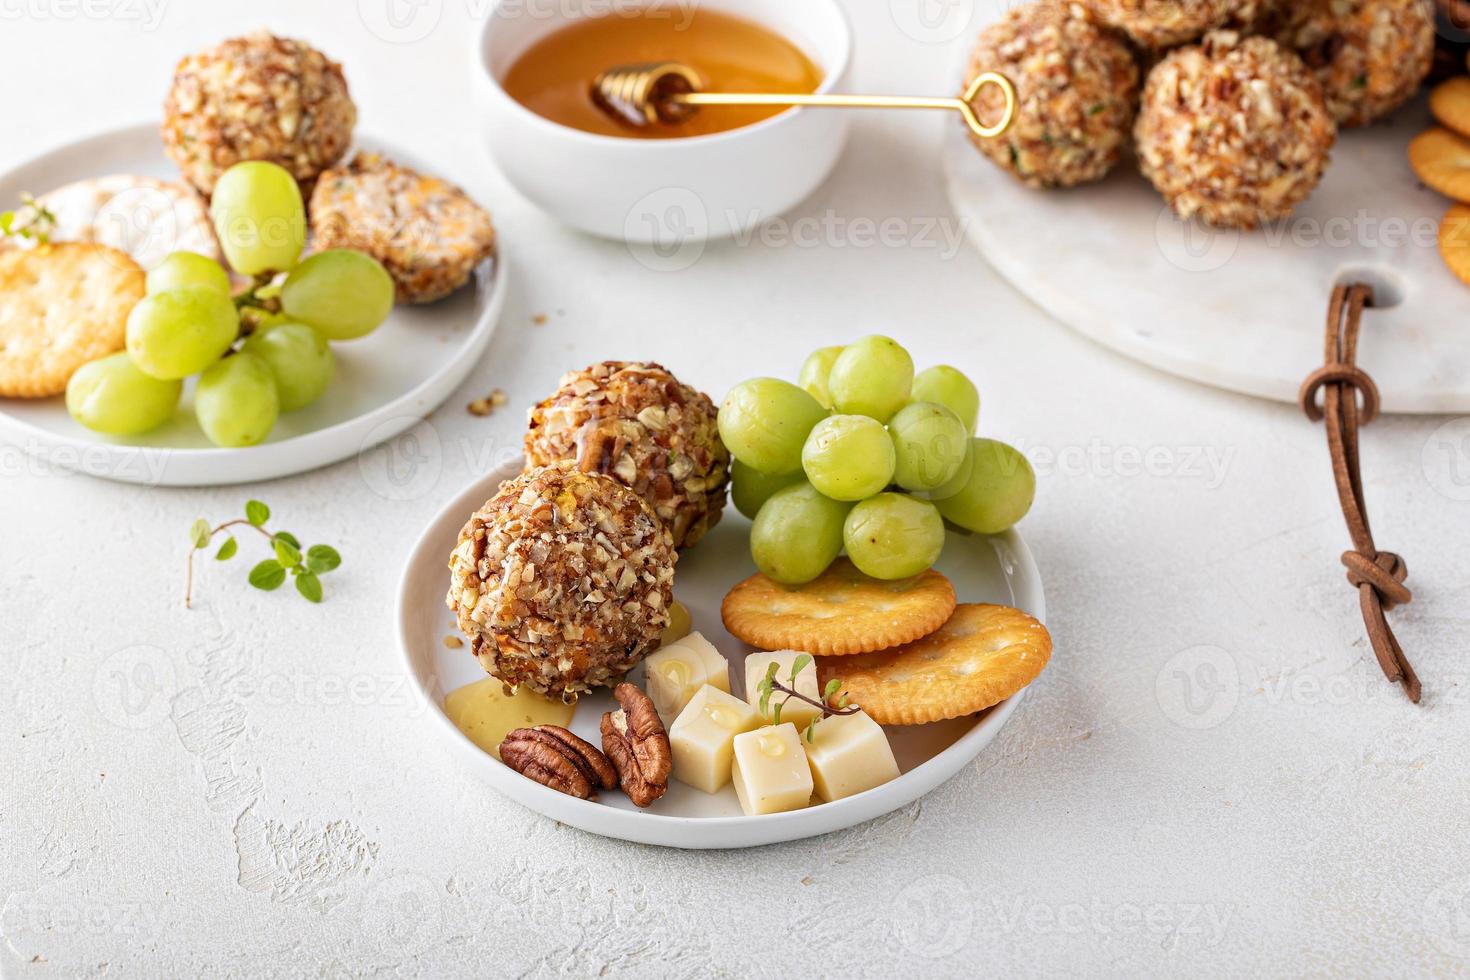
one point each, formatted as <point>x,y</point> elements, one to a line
<point>1239,310</point>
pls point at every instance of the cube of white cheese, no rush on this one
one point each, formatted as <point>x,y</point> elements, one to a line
<point>680,669</point>
<point>770,771</point>
<point>796,711</point>
<point>703,737</point>
<point>848,755</point>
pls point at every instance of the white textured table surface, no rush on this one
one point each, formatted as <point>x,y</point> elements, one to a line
<point>1211,779</point>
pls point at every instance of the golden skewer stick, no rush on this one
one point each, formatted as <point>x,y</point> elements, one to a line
<point>669,92</point>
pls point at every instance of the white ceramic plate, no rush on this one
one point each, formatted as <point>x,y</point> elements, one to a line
<point>998,569</point>
<point>385,382</point>
<point>1243,311</point>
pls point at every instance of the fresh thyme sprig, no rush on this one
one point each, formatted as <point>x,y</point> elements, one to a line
<point>271,573</point>
<point>770,685</point>
<point>32,221</point>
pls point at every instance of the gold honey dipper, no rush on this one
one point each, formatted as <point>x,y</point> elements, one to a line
<point>668,93</point>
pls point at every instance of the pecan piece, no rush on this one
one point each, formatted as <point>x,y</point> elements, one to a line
<point>554,757</point>
<point>638,744</point>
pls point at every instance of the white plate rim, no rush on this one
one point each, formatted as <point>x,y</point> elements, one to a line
<point>696,833</point>
<point>288,457</point>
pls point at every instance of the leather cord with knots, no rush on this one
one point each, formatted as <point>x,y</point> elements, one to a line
<point>1377,575</point>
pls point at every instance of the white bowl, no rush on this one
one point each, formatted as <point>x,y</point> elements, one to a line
<point>665,192</point>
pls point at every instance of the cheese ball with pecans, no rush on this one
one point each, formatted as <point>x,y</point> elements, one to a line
<point>1158,24</point>
<point>1076,89</point>
<point>427,232</point>
<point>258,97</point>
<point>636,423</point>
<point>562,581</point>
<point>1234,131</point>
<point>1371,56</point>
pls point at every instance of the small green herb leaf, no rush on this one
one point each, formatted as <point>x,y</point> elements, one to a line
<point>199,533</point>
<point>811,730</point>
<point>322,558</point>
<point>227,550</point>
<point>798,665</point>
<point>765,703</point>
<point>268,575</point>
<point>288,554</point>
<point>776,713</point>
<point>309,586</point>
<point>289,538</point>
<point>257,513</point>
<point>833,686</point>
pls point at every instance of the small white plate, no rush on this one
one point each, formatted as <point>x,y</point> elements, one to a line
<point>998,569</point>
<point>385,382</point>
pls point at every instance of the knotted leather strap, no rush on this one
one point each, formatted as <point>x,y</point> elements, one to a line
<point>1377,575</point>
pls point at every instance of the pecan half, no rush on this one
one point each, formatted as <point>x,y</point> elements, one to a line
<point>554,757</point>
<point>638,744</point>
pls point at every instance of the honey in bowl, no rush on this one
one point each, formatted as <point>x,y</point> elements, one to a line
<point>553,78</point>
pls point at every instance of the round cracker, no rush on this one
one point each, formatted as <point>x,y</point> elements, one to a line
<point>1441,160</point>
<point>1454,241</point>
<point>1450,104</point>
<point>982,656</point>
<point>841,612</point>
<point>61,306</point>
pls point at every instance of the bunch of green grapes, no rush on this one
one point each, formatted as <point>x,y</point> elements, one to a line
<point>190,322</point>
<point>865,456</point>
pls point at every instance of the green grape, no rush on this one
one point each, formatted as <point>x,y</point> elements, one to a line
<point>797,534</point>
<point>848,457</point>
<point>893,535</point>
<point>300,360</point>
<point>180,332</point>
<point>944,385</point>
<point>344,294</point>
<point>236,401</point>
<point>112,395</point>
<point>259,218</point>
<point>750,488</point>
<point>181,269</point>
<point>764,422</point>
<point>871,377</point>
<point>814,374</point>
<point>996,491</point>
<point>930,442</point>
